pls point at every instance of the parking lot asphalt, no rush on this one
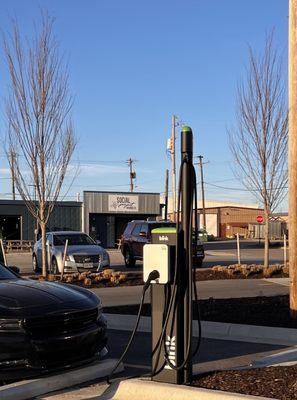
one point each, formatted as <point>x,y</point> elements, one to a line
<point>213,355</point>
<point>216,253</point>
<point>206,289</point>
<point>221,289</point>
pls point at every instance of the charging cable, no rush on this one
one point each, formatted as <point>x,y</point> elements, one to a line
<point>154,275</point>
<point>172,302</point>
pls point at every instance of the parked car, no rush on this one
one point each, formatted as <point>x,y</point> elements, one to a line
<point>45,325</point>
<point>138,233</point>
<point>203,235</point>
<point>83,253</point>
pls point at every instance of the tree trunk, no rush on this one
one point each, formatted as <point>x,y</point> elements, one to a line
<point>44,249</point>
<point>266,237</point>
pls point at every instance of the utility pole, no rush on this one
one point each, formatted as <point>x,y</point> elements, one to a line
<point>173,165</point>
<point>12,160</point>
<point>132,173</point>
<point>292,164</point>
<point>166,195</point>
<point>202,190</point>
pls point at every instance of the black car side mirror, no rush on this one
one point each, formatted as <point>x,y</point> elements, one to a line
<point>14,269</point>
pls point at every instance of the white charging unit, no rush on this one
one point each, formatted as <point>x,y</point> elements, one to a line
<point>156,257</point>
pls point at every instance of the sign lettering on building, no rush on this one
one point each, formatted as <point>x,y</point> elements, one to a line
<point>122,203</point>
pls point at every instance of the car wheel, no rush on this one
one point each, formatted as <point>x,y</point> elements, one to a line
<point>35,264</point>
<point>55,268</point>
<point>129,259</point>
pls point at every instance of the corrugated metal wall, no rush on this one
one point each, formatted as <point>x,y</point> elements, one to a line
<point>65,215</point>
<point>98,203</point>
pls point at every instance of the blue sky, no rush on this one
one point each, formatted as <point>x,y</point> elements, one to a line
<point>134,63</point>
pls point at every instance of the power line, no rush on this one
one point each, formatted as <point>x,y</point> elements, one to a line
<point>243,190</point>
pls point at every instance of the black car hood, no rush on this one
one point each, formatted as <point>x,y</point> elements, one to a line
<point>28,297</point>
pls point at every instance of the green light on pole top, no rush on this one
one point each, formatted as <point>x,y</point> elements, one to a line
<point>186,129</point>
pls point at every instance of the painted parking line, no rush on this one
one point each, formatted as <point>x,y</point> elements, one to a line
<point>279,281</point>
<point>218,253</point>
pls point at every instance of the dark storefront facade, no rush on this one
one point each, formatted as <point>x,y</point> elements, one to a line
<point>16,222</point>
<point>106,214</point>
<point>103,215</point>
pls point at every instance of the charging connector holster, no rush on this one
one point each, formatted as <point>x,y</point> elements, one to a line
<point>160,256</point>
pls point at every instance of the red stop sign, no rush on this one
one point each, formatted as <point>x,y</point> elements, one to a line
<point>260,219</point>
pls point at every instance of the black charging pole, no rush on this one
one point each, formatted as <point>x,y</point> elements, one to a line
<point>168,270</point>
<point>172,302</point>
<point>187,247</point>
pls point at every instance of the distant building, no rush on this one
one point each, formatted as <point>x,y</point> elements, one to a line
<point>226,219</point>
<point>281,216</point>
<point>17,223</point>
<point>106,214</point>
<point>103,215</point>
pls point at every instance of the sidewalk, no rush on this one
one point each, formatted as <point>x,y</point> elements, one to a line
<point>219,289</point>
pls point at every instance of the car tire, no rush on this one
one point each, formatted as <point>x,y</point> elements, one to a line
<point>129,259</point>
<point>55,268</point>
<point>35,264</point>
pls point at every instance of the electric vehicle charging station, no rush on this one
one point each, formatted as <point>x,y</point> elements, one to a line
<point>170,258</point>
<point>167,269</point>
<point>164,238</point>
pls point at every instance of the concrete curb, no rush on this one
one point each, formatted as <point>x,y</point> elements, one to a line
<point>215,330</point>
<point>148,390</point>
<point>35,387</point>
<point>283,358</point>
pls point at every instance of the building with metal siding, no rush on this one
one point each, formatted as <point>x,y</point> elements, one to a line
<point>106,214</point>
<point>103,215</point>
<point>227,221</point>
<point>17,223</point>
<point>232,220</point>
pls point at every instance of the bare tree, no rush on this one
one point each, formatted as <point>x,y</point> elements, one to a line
<point>40,132</point>
<point>259,141</point>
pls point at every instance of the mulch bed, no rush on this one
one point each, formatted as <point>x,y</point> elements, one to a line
<point>135,278</point>
<point>272,382</point>
<point>128,282</point>
<point>210,274</point>
<point>267,311</point>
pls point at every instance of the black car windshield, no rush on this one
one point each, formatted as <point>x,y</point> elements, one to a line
<point>74,239</point>
<point>5,273</point>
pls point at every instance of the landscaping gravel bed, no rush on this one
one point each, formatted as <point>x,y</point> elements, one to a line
<point>112,278</point>
<point>244,271</point>
<point>272,382</point>
<point>266,311</point>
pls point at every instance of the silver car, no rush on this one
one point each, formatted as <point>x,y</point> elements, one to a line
<point>83,254</point>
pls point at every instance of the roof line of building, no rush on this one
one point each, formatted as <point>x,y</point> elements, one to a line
<point>127,193</point>
<point>239,207</point>
<point>66,202</point>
